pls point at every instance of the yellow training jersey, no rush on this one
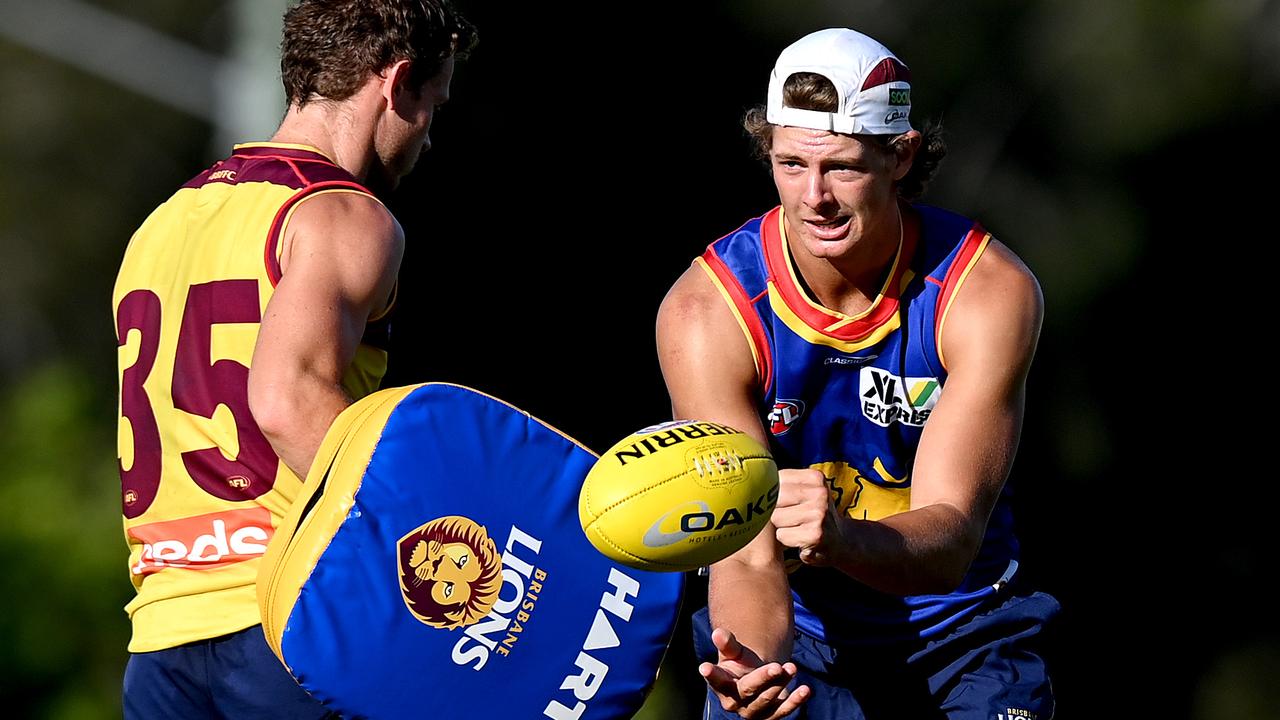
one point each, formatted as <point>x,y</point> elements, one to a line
<point>202,490</point>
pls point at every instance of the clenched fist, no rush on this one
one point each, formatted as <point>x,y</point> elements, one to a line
<point>806,517</point>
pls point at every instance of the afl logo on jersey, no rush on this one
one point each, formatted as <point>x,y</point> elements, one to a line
<point>450,572</point>
<point>783,415</point>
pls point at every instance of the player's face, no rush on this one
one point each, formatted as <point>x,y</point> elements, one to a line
<point>835,189</point>
<point>453,568</point>
<point>408,133</point>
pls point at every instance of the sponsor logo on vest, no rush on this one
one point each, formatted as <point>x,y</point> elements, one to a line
<point>675,434</point>
<point>589,671</point>
<point>887,398</point>
<point>450,572</point>
<point>222,175</point>
<point>517,599</point>
<point>784,414</point>
<point>203,542</point>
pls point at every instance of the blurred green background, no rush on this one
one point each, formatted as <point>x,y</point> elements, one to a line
<point>1125,149</point>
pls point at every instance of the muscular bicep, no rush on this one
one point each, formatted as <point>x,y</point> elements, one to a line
<point>711,374</point>
<point>339,268</point>
<point>971,437</point>
<point>706,361</point>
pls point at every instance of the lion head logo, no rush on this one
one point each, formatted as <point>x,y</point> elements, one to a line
<point>450,572</point>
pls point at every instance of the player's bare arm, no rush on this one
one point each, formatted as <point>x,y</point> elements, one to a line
<point>341,255</point>
<point>965,452</point>
<point>710,375</point>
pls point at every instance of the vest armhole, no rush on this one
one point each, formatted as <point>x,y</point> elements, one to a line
<point>743,311</point>
<point>274,249</point>
<point>971,249</point>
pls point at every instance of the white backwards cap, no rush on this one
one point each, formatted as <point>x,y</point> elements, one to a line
<point>872,83</point>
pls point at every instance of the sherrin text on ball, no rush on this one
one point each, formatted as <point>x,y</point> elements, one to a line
<point>678,496</point>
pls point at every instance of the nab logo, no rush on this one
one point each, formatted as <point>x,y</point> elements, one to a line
<point>887,398</point>
<point>783,415</point>
<point>450,572</point>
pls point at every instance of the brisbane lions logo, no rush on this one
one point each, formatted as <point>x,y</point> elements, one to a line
<point>450,572</point>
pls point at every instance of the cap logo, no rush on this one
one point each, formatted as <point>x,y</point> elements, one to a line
<point>899,96</point>
<point>450,572</point>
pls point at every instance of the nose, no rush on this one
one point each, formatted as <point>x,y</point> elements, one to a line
<point>817,193</point>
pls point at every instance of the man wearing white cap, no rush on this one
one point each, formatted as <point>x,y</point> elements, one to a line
<point>881,348</point>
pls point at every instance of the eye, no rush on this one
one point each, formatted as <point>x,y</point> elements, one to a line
<point>448,590</point>
<point>463,560</point>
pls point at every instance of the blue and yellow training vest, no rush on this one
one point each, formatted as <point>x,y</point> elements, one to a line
<point>849,395</point>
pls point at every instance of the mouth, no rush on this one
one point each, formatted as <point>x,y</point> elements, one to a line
<point>829,229</point>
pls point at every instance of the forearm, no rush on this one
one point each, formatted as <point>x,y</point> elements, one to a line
<point>754,603</point>
<point>923,551</point>
<point>295,415</point>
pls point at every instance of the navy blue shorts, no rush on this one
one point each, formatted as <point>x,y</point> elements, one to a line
<point>235,676</point>
<point>988,668</point>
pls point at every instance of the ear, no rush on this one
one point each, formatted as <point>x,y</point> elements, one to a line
<point>904,150</point>
<point>395,83</point>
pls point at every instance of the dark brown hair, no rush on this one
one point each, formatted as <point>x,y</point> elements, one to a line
<point>811,91</point>
<point>331,46</point>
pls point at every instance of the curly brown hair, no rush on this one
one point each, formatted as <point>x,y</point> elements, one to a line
<point>811,91</point>
<point>331,46</point>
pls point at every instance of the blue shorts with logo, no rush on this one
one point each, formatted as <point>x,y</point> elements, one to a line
<point>234,676</point>
<point>988,668</point>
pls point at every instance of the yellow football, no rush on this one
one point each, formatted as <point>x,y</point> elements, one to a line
<point>678,496</point>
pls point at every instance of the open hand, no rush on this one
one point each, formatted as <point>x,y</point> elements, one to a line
<point>747,685</point>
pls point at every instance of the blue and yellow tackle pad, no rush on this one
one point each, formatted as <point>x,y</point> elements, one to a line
<point>434,566</point>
